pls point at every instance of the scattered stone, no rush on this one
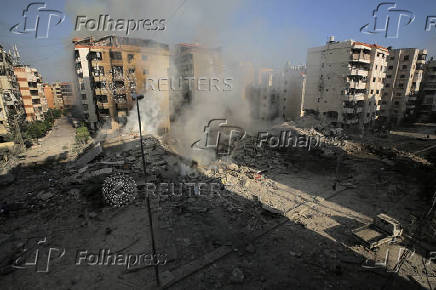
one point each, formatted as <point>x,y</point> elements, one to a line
<point>45,195</point>
<point>237,276</point>
<point>92,214</point>
<point>250,249</point>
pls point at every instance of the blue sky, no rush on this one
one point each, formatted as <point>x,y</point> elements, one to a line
<point>267,32</point>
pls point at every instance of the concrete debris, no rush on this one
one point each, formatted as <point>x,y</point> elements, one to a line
<point>90,155</point>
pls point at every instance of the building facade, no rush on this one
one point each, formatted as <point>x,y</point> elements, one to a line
<point>192,62</point>
<point>344,82</point>
<point>111,70</point>
<point>32,92</point>
<point>10,96</point>
<point>402,84</point>
<point>427,98</point>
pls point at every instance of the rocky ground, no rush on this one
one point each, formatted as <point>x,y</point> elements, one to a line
<point>259,219</point>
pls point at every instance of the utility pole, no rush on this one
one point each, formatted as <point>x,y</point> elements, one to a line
<point>147,197</point>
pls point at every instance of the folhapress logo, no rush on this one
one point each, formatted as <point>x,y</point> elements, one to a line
<point>38,256</point>
<point>38,19</point>
<point>387,19</point>
<point>220,136</point>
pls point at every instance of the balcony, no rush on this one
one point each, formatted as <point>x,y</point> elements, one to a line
<point>365,58</point>
<point>348,110</point>
<point>355,97</point>
<point>357,85</point>
<point>358,72</point>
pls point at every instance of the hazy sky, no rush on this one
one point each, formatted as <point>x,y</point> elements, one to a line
<point>268,33</point>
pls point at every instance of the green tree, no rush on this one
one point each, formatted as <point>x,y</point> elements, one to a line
<point>82,134</point>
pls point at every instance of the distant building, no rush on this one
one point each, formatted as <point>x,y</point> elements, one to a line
<point>68,95</point>
<point>277,95</point>
<point>289,84</point>
<point>32,92</point>
<point>110,70</point>
<point>10,96</point>
<point>48,93</point>
<point>427,98</point>
<point>344,82</point>
<point>191,62</point>
<point>402,84</point>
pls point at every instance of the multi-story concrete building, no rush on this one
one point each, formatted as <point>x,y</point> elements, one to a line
<point>277,95</point>
<point>57,95</point>
<point>192,62</point>
<point>344,82</point>
<point>402,84</point>
<point>10,97</point>
<point>68,95</point>
<point>49,95</point>
<point>289,84</point>
<point>32,92</point>
<point>427,98</point>
<point>110,70</point>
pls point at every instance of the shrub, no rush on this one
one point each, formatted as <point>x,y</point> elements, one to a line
<point>82,135</point>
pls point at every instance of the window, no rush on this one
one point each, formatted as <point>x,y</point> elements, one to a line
<point>402,76</point>
<point>144,57</point>
<point>116,55</point>
<point>390,67</point>
<point>102,99</point>
<point>373,79</point>
<point>145,71</point>
<point>376,66</point>
<point>131,70</point>
<point>388,76</point>
<point>401,86</point>
<point>377,92</point>
<point>406,57</point>
<point>130,57</point>
<point>85,107</point>
<point>83,96</point>
<point>372,91</point>
<point>404,67</point>
<point>387,85</point>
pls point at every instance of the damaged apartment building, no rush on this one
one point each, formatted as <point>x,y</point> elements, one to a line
<point>32,92</point>
<point>277,95</point>
<point>110,70</point>
<point>10,97</point>
<point>402,84</point>
<point>345,81</point>
<point>193,62</point>
<point>427,96</point>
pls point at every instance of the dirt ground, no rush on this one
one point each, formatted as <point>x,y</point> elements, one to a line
<point>270,219</point>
